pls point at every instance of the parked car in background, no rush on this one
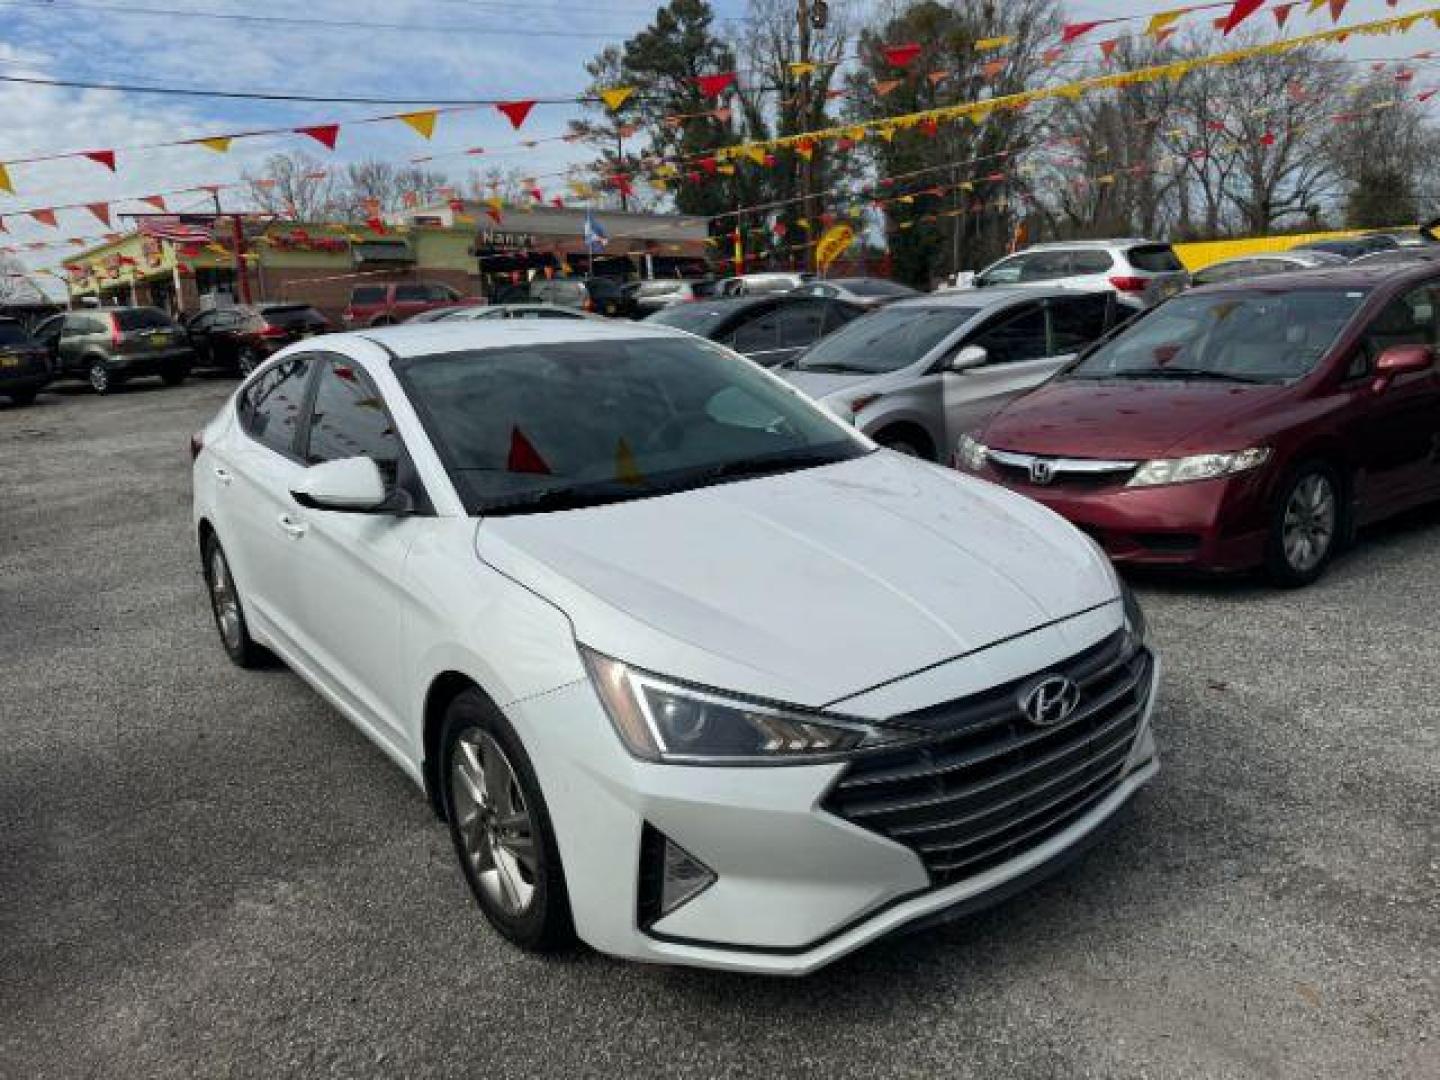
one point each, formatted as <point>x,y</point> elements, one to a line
<point>763,284</point>
<point>1350,248</point>
<point>864,291</point>
<point>766,329</point>
<point>688,668</point>
<point>110,346</point>
<point>1401,255</point>
<point>915,374</point>
<point>1240,425</point>
<point>394,302</point>
<point>598,295</point>
<point>242,336</point>
<point>519,311</point>
<point>24,363</point>
<point>441,313</point>
<point>1258,265</point>
<point>652,296</point>
<point>1142,269</point>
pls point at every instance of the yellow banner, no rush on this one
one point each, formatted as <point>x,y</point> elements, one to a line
<point>833,244</point>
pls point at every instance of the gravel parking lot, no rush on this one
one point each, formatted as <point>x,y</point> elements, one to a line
<point>207,872</point>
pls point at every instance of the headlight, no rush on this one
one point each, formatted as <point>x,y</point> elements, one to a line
<point>1135,625</point>
<point>658,720</point>
<point>972,453</point>
<point>1199,467</point>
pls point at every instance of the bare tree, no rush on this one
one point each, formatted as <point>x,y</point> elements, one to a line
<point>371,188</point>
<point>295,186</point>
<point>17,286</point>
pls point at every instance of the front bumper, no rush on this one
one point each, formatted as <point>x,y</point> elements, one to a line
<point>1213,525</point>
<point>796,887</point>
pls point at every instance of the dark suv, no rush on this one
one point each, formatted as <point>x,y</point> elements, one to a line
<point>598,295</point>
<point>108,346</point>
<point>243,336</point>
<point>24,363</point>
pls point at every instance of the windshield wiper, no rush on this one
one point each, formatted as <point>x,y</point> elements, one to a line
<point>1183,373</point>
<point>765,466</point>
<point>562,498</point>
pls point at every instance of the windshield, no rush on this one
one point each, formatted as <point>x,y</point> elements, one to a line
<point>888,340</point>
<point>1252,336</point>
<point>559,426</point>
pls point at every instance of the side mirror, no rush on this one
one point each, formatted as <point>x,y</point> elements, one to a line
<point>970,356</point>
<point>350,485</point>
<point>1401,360</point>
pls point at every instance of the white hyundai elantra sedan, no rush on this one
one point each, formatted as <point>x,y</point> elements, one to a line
<point>691,669</point>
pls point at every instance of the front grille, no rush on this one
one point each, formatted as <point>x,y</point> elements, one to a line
<point>1064,481</point>
<point>990,785</point>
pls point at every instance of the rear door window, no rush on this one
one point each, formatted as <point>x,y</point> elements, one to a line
<point>1076,321</point>
<point>1046,266</point>
<point>270,406</point>
<point>759,333</point>
<point>1091,262</point>
<point>411,294</point>
<point>800,324</point>
<point>1155,259</point>
<point>368,294</point>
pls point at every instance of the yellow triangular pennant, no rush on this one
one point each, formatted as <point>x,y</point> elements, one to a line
<point>5,184</point>
<point>220,144</point>
<point>422,122</point>
<point>615,96</point>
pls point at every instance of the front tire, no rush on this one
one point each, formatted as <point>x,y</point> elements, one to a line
<point>22,398</point>
<point>175,377</point>
<point>1306,527</point>
<point>500,827</point>
<point>228,610</point>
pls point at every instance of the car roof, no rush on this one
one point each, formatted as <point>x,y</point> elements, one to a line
<point>992,296</point>
<point>428,339</point>
<point>1343,276</point>
<point>1124,241</point>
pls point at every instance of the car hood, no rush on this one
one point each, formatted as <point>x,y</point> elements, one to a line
<point>1122,420</point>
<point>806,587</point>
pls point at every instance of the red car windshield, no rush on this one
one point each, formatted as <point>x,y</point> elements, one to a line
<point>1249,336</point>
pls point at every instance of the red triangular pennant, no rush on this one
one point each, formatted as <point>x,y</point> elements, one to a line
<point>157,201</point>
<point>1071,31</point>
<point>102,157</point>
<point>325,134</point>
<point>515,111</point>
<point>1242,10</point>
<point>524,458</point>
<point>1107,48</point>
<point>100,210</point>
<point>901,55</point>
<point>45,217</point>
<point>712,86</point>
<point>1282,13</point>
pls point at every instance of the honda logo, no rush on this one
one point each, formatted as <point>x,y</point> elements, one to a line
<point>1050,701</point>
<point>1042,472</point>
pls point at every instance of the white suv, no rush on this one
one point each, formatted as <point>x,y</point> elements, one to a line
<point>1143,270</point>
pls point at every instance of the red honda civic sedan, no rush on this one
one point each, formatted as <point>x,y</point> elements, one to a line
<point>1248,424</point>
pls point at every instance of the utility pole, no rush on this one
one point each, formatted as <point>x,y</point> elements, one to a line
<point>804,14</point>
<point>620,163</point>
<point>237,239</point>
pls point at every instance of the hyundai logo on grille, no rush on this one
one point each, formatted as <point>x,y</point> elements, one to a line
<point>1042,472</point>
<point>1050,701</point>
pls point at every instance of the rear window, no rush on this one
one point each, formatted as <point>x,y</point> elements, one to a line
<point>368,294</point>
<point>12,333</point>
<point>142,319</point>
<point>292,315</point>
<point>1155,259</point>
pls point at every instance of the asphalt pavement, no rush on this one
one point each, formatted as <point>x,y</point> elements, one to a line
<point>207,872</point>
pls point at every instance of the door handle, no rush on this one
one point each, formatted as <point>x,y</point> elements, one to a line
<point>223,475</point>
<point>295,529</point>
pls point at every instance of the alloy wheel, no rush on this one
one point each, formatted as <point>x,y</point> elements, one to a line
<point>99,377</point>
<point>1311,518</point>
<point>224,601</point>
<point>496,831</point>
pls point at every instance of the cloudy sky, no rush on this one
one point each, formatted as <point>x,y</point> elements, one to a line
<point>424,50</point>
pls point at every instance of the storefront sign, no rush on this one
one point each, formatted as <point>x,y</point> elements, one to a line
<point>507,241</point>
